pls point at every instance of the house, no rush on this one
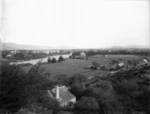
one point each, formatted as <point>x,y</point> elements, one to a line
<point>106,56</point>
<point>81,56</point>
<point>121,65</point>
<point>117,66</point>
<point>62,95</point>
<point>145,60</point>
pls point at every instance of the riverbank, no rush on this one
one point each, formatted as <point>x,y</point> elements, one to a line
<point>41,60</point>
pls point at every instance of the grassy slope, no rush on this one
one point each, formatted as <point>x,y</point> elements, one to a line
<point>75,66</point>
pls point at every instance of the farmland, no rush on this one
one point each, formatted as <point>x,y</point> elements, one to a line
<point>81,66</point>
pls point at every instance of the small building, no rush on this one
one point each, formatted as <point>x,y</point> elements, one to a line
<point>106,55</point>
<point>62,95</point>
<point>145,60</point>
<point>81,56</point>
<point>121,64</point>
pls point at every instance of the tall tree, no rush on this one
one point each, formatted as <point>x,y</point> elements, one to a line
<point>12,88</point>
<point>53,60</point>
<point>61,58</point>
<point>38,84</point>
<point>49,60</point>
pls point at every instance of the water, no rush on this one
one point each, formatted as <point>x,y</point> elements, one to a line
<point>42,60</point>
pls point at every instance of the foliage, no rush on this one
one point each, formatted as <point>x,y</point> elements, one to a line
<point>87,103</point>
<point>5,53</point>
<point>106,97</point>
<point>13,94</point>
<point>133,95</point>
<point>23,55</point>
<point>61,59</point>
<point>95,65</point>
<point>38,82</point>
<point>49,60</point>
<point>77,84</point>
<point>53,60</point>
<point>49,103</point>
<point>61,79</point>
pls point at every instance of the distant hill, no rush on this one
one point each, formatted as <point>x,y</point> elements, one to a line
<point>130,47</point>
<point>14,46</point>
<point>66,47</point>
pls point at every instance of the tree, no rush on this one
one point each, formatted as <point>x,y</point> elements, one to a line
<point>95,65</point>
<point>61,79</point>
<point>61,59</point>
<point>87,103</point>
<point>53,60</point>
<point>104,93</point>
<point>77,84</point>
<point>38,84</point>
<point>49,60</point>
<point>20,56</point>
<point>49,103</point>
<point>13,95</point>
<point>5,53</point>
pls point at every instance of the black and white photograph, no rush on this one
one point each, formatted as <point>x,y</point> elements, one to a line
<point>74,56</point>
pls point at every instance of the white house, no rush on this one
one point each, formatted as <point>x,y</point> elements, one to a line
<point>145,60</point>
<point>121,64</point>
<point>82,55</point>
<point>63,96</point>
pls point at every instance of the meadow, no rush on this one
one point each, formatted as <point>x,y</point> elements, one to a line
<point>81,66</point>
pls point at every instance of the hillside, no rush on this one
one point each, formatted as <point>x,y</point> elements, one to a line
<point>13,46</point>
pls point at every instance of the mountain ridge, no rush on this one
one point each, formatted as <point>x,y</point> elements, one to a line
<point>14,46</point>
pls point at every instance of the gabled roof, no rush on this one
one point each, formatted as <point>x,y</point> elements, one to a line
<point>64,94</point>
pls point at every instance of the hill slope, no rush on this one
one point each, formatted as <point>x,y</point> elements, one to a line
<point>13,46</point>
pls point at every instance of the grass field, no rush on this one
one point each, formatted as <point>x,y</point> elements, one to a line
<point>80,66</point>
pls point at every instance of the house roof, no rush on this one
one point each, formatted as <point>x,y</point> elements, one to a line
<point>64,94</point>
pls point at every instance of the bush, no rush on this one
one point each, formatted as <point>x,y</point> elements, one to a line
<point>77,84</point>
<point>61,79</point>
<point>61,59</point>
<point>95,64</point>
<point>127,87</point>
<point>104,93</point>
<point>49,60</point>
<point>53,60</point>
<point>87,103</point>
<point>13,94</point>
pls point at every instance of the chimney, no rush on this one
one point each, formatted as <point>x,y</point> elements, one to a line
<point>57,92</point>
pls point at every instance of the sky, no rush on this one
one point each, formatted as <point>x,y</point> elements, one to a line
<point>76,23</point>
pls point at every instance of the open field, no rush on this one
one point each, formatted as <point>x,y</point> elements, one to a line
<point>80,66</point>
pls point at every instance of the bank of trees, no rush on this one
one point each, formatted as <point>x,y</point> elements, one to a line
<point>113,51</point>
<point>53,60</point>
<point>13,94</point>
<point>23,55</point>
<point>19,90</point>
<point>122,93</point>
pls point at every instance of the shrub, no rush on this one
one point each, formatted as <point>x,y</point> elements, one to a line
<point>61,59</point>
<point>53,60</point>
<point>49,60</point>
<point>87,103</point>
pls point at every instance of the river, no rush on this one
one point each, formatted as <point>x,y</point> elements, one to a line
<point>42,60</point>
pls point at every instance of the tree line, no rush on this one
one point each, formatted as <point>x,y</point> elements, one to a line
<point>125,92</point>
